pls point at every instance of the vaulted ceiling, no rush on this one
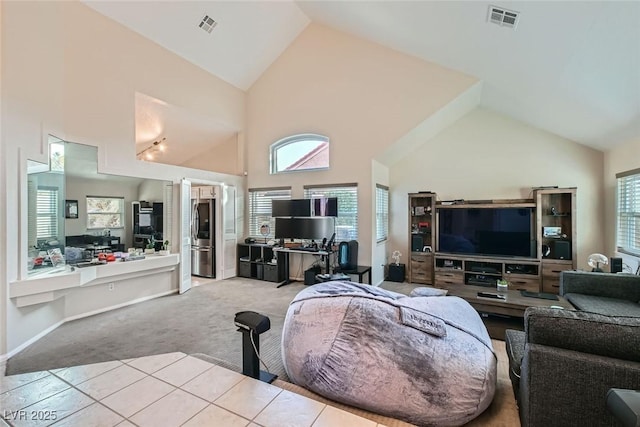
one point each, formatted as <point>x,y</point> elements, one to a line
<point>571,68</point>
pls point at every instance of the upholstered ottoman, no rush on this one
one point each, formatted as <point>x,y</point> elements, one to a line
<point>425,360</point>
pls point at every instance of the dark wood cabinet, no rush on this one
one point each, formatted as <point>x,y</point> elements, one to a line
<point>422,208</point>
<point>556,228</point>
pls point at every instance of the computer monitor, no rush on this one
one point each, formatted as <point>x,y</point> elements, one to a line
<point>304,228</point>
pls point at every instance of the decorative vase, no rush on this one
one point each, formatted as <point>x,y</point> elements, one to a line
<point>149,251</point>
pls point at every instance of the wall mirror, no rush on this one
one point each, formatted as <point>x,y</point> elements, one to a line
<point>71,205</point>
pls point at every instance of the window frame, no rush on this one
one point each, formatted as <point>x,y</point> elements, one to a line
<point>293,139</point>
<point>628,212</point>
<point>90,214</point>
<point>382,213</point>
<point>265,209</point>
<point>329,190</point>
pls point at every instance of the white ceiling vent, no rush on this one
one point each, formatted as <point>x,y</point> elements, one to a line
<point>503,17</point>
<point>207,24</point>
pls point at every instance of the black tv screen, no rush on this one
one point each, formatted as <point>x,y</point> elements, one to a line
<point>487,231</point>
<point>290,207</point>
<point>320,206</point>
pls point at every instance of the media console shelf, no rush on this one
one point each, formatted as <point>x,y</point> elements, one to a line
<point>537,237</point>
<point>455,270</point>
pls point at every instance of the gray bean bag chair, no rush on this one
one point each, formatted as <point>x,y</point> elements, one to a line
<point>425,360</point>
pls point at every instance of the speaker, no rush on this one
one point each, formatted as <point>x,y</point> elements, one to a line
<point>343,255</point>
<point>348,255</point>
<point>561,249</point>
<point>353,254</point>
<point>616,265</point>
<point>416,243</point>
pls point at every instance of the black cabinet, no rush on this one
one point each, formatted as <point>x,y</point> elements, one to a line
<point>147,224</point>
<point>259,261</point>
<point>396,273</point>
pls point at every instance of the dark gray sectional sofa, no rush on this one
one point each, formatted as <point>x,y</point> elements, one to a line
<point>603,293</point>
<point>565,361</point>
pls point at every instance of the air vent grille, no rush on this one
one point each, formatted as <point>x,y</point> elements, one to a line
<point>207,24</point>
<point>503,17</point>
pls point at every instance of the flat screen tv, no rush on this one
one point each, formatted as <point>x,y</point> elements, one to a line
<point>290,207</point>
<point>487,231</point>
<point>319,206</point>
<point>304,228</point>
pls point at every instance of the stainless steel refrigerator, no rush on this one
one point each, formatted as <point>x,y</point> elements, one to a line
<point>203,238</point>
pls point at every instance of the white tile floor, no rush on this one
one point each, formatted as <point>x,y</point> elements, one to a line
<point>162,390</point>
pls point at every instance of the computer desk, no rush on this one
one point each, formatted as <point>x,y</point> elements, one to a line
<point>326,255</point>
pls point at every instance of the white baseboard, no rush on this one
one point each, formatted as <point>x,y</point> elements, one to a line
<point>124,304</point>
<point>5,357</point>
<point>27,343</point>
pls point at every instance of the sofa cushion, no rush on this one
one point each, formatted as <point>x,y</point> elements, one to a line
<point>604,305</point>
<point>424,291</point>
<point>621,286</point>
<point>609,336</point>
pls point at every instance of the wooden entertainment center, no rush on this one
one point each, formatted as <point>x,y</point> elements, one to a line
<point>551,236</point>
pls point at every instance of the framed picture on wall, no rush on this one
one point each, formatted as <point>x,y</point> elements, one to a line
<point>71,209</point>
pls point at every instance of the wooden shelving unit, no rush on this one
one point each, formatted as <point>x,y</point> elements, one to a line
<point>422,208</point>
<point>556,234</point>
<point>555,244</point>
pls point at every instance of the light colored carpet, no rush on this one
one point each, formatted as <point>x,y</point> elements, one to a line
<point>200,322</point>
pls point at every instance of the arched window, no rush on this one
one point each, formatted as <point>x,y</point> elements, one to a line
<point>306,151</point>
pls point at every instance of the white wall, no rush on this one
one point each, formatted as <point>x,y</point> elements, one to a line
<point>619,159</point>
<point>362,95</point>
<point>3,215</point>
<point>70,72</point>
<point>223,157</point>
<point>151,190</point>
<point>89,299</point>
<point>486,155</point>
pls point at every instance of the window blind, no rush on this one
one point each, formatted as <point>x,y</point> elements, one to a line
<point>382,213</point>
<point>260,208</point>
<point>47,213</point>
<point>347,194</point>
<point>628,213</point>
